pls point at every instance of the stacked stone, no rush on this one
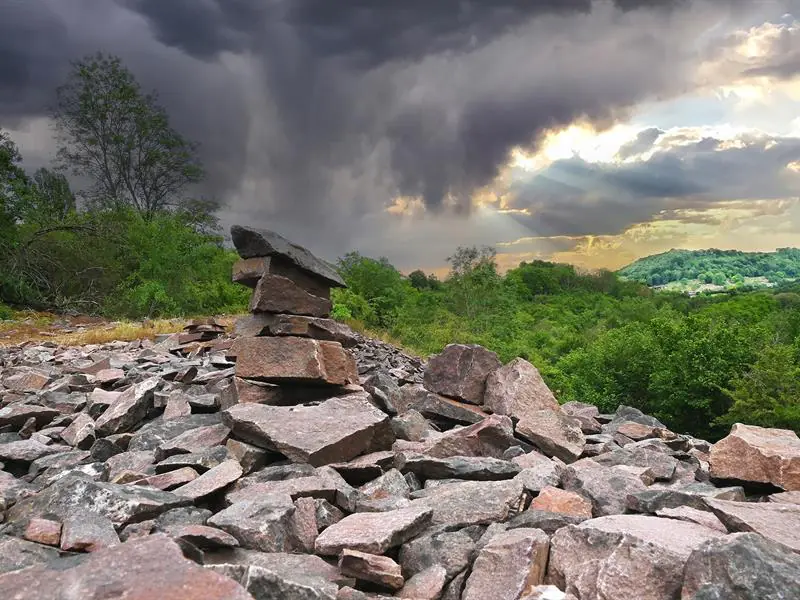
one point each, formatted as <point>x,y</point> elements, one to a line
<point>288,351</point>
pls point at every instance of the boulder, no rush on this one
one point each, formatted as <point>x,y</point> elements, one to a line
<point>472,502</point>
<point>80,433</point>
<point>624,557</point>
<point>293,360</point>
<point>374,533</point>
<point>335,430</point>
<point>758,455</point>
<point>277,294</point>
<point>425,585</point>
<point>211,481</point>
<point>262,324</point>
<point>742,566</point>
<point>460,372</point>
<point>777,522</point>
<point>17,414</point>
<point>86,531</point>
<point>151,568</point>
<point>252,243</point>
<point>128,410</point>
<point>554,433</point>
<point>518,390</point>
<point>453,550</point>
<point>693,515</point>
<point>508,566</point>
<point>490,438</point>
<point>17,554</point>
<point>547,521</point>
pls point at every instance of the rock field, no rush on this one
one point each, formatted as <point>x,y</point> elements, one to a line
<point>295,459</point>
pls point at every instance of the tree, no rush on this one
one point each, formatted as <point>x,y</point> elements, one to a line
<point>14,184</point>
<point>52,199</point>
<point>121,139</point>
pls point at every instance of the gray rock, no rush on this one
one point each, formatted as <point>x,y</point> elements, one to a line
<point>472,502</point>
<point>157,432</point>
<point>264,524</point>
<point>252,243</point>
<point>128,410</point>
<point>86,531</point>
<point>453,550</point>
<point>777,522</point>
<point>549,522</point>
<point>652,500</point>
<point>606,487</point>
<point>742,566</point>
<point>553,432</point>
<point>458,467</point>
<point>17,554</point>
<point>661,465</point>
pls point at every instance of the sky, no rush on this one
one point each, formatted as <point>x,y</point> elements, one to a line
<point>585,131</point>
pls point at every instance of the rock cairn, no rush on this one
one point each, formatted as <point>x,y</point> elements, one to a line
<point>275,465</point>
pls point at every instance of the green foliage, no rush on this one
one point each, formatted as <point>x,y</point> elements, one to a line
<point>595,337</point>
<point>6,314</point>
<point>714,266</point>
<point>120,138</point>
<point>769,393</point>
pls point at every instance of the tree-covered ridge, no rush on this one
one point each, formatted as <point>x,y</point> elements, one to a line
<point>717,267</point>
<point>697,363</point>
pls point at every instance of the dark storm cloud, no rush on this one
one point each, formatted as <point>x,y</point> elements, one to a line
<point>573,197</point>
<point>644,141</point>
<point>313,113</point>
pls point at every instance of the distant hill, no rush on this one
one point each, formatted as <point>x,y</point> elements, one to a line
<point>714,270</point>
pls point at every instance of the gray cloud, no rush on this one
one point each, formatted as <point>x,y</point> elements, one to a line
<point>313,114</point>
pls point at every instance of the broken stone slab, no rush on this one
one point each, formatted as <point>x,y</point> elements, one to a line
<point>28,381</point>
<point>437,407</point>
<point>692,515</point>
<point>556,500</point>
<point>510,564</point>
<point>157,432</point>
<point>452,550</point>
<point>692,495</point>
<point>374,533</point>
<point>518,390</point>
<point>742,566</point>
<point>262,324</point>
<point>304,524</point>
<point>17,554</point>
<point>264,524</point>
<point>312,486</point>
<point>80,433</point>
<point>554,433</point>
<point>471,502</point>
<point>411,426</point>
<point>278,575</point>
<point>381,570</point>
<point>251,243</point>
<point>785,498</point>
<point>777,522</point>
<point>758,455</point>
<point>625,414</point>
<point>16,415</point>
<point>194,440</point>
<point>460,371</point>
<point>278,294</point>
<point>335,430</point>
<point>606,487</point>
<point>153,567</point>
<point>457,467</point>
<point>293,360</point>
<point>390,484</point>
<point>661,465</point>
<point>169,480</point>
<point>539,473</point>
<point>128,410</point>
<point>86,531</point>
<point>250,457</point>
<point>27,451</point>
<point>490,438</point>
<point>212,481</point>
<point>624,557</point>
<point>122,504</point>
<point>200,461</point>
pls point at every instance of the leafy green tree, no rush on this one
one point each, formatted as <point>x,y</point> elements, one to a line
<point>378,282</point>
<point>52,200</point>
<point>718,279</point>
<point>769,393</point>
<point>120,138</point>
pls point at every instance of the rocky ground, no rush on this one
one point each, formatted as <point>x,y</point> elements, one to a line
<point>140,470</point>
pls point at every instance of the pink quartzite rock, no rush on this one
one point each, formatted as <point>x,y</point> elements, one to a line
<point>278,294</point>
<point>151,568</point>
<point>293,360</point>
<point>80,433</point>
<point>509,565</point>
<point>460,372</point>
<point>43,531</point>
<point>87,532</point>
<point>211,481</point>
<point>559,501</point>
<point>425,585</point>
<point>517,389</point>
<point>491,438</point>
<point>554,433</point>
<point>624,557</point>
<point>758,455</point>
<point>16,415</point>
<point>335,430</point>
<point>370,567</point>
<point>128,409</point>
<point>373,532</point>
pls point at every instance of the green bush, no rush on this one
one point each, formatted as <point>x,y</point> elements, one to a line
<point>6,314</point>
